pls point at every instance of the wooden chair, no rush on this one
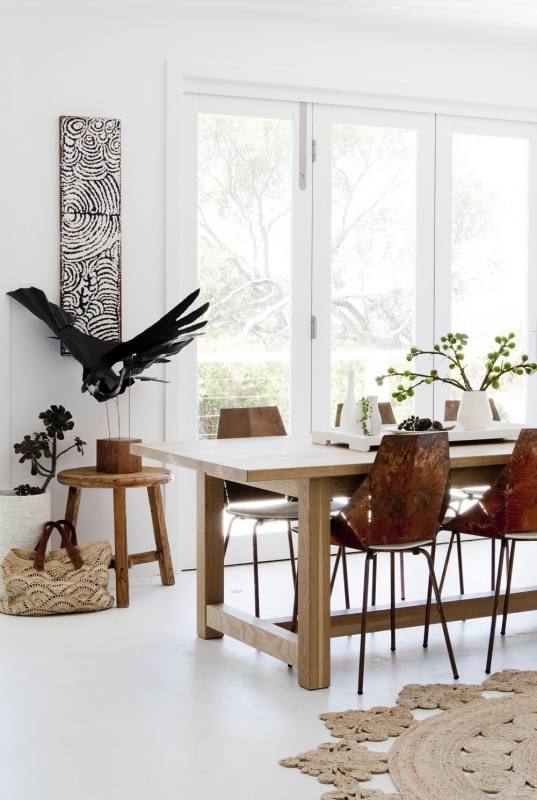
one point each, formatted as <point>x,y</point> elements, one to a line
<point>387,418</point>
<point>398,509</point>
<point>507,511</point>
<point>460,496</point>
<point>236,423</point>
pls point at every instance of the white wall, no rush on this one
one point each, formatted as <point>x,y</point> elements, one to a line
<point>61,61</point>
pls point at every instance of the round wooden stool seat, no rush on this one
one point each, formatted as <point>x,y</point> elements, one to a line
<point>89,478</point>
<point>150,478</point>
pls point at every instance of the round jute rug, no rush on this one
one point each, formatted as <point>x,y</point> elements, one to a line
<point>478,746</point>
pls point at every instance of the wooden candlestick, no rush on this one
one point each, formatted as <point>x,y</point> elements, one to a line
<point>114,456</point>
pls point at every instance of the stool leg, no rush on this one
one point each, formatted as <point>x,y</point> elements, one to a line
<point>161,535</point>
<point>121,555</point>
<point>73,504</point>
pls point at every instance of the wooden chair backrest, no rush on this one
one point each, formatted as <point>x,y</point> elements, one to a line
<point>405,495</point>
<point>451,409</point>
<point>238,423</point>
<point>385,410</point>
<point>510,504</point>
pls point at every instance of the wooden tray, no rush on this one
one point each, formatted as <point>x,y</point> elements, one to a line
<point>355,441</point>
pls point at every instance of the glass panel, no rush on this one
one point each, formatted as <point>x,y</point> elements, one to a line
<point>490,253</point>
<point>244,263</point>
<point>373,255</point>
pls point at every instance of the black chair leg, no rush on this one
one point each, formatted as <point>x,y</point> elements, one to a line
<point>256,568</point>
<point>291,551</point>
<point>374,582</point>
<point>392,602</point>
<point>508,588</point>
<point>429,598</point>
<point>503,546</point>
<point>459,559</point>
<point>402,575</point>
<point>363,626</point>
<point>434,584</point>
<point>294,619</point>
<point>446,562</point>
<point>228,534</point>
<point>335,570</point>
<point>492,564</point>
<point>345,578</point>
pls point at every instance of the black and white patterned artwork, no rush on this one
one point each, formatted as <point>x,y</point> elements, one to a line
<point>90,224</point>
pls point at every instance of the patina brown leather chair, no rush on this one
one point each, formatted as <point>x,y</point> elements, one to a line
<point>387,418</point>
<point>507,511</point>
<point>398,509</point>
<point>249,502</point>
<point>458,498</point>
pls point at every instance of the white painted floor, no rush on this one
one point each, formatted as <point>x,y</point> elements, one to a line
<point>129,704</point>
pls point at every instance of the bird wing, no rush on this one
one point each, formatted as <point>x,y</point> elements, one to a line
<point>165,337</point>
<point>87,349</point>
<point>36,301</point>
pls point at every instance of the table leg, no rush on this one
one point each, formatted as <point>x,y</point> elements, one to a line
<point>73,504</point>
<point>210,550</point>
<point>161,535</point>
<point>314,583</point>
<point>121,555</point>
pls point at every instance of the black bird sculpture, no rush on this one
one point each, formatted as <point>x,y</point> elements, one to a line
<point>155,345</point>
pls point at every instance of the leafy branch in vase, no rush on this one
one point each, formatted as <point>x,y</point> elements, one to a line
<point>41,447</point>
<point>366,409</point>
<point>499,362</point>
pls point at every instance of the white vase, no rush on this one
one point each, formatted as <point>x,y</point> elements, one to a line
<point>474,411</point>
<point>349,413</point>
<point>375,421</point>
<point>21,521</point>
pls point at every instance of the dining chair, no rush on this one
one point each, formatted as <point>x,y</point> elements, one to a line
<point>387,417</point>
<point>506,511</point>
<point>249,502</point>
<point>460,496</point>
<point>398,509</point>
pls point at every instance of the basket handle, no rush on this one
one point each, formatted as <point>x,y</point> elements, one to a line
<point>66,534</point>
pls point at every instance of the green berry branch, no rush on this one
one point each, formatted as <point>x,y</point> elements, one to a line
<point>500,362</point>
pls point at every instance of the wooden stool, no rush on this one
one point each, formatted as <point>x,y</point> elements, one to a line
<point>150,477</point>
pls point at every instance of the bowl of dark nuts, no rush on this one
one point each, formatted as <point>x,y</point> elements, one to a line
<point>415,424</point>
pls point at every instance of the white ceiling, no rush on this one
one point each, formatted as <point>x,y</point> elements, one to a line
<point>488,17</point>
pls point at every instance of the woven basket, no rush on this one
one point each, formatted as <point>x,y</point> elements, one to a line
<point>21,522</point>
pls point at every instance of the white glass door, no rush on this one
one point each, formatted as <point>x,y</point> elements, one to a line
<point>250,256</point>
<point>373,269</point>
<point>483,180</point>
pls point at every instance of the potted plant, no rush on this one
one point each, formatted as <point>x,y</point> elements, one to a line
<point>474,409</point>
<point>25,509</point>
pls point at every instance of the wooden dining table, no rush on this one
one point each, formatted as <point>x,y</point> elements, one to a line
<point>315,474</point>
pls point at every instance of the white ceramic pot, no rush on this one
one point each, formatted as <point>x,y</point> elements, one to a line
<point>474,411</point>
<point>21,521</point>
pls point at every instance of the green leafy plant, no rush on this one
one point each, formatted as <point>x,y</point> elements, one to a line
<point>365,406</point>
<point>499,362</point>
<point>41,447</point>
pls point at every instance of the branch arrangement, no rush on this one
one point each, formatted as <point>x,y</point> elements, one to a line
<point>451,349</point>
<point>42,446</point>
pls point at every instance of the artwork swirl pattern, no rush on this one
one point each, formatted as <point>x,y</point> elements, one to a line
<point>90,226</point>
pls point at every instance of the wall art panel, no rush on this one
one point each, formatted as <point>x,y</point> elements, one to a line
<point>90,224</point>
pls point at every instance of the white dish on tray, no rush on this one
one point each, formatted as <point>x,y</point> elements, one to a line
<point>496,430</point>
